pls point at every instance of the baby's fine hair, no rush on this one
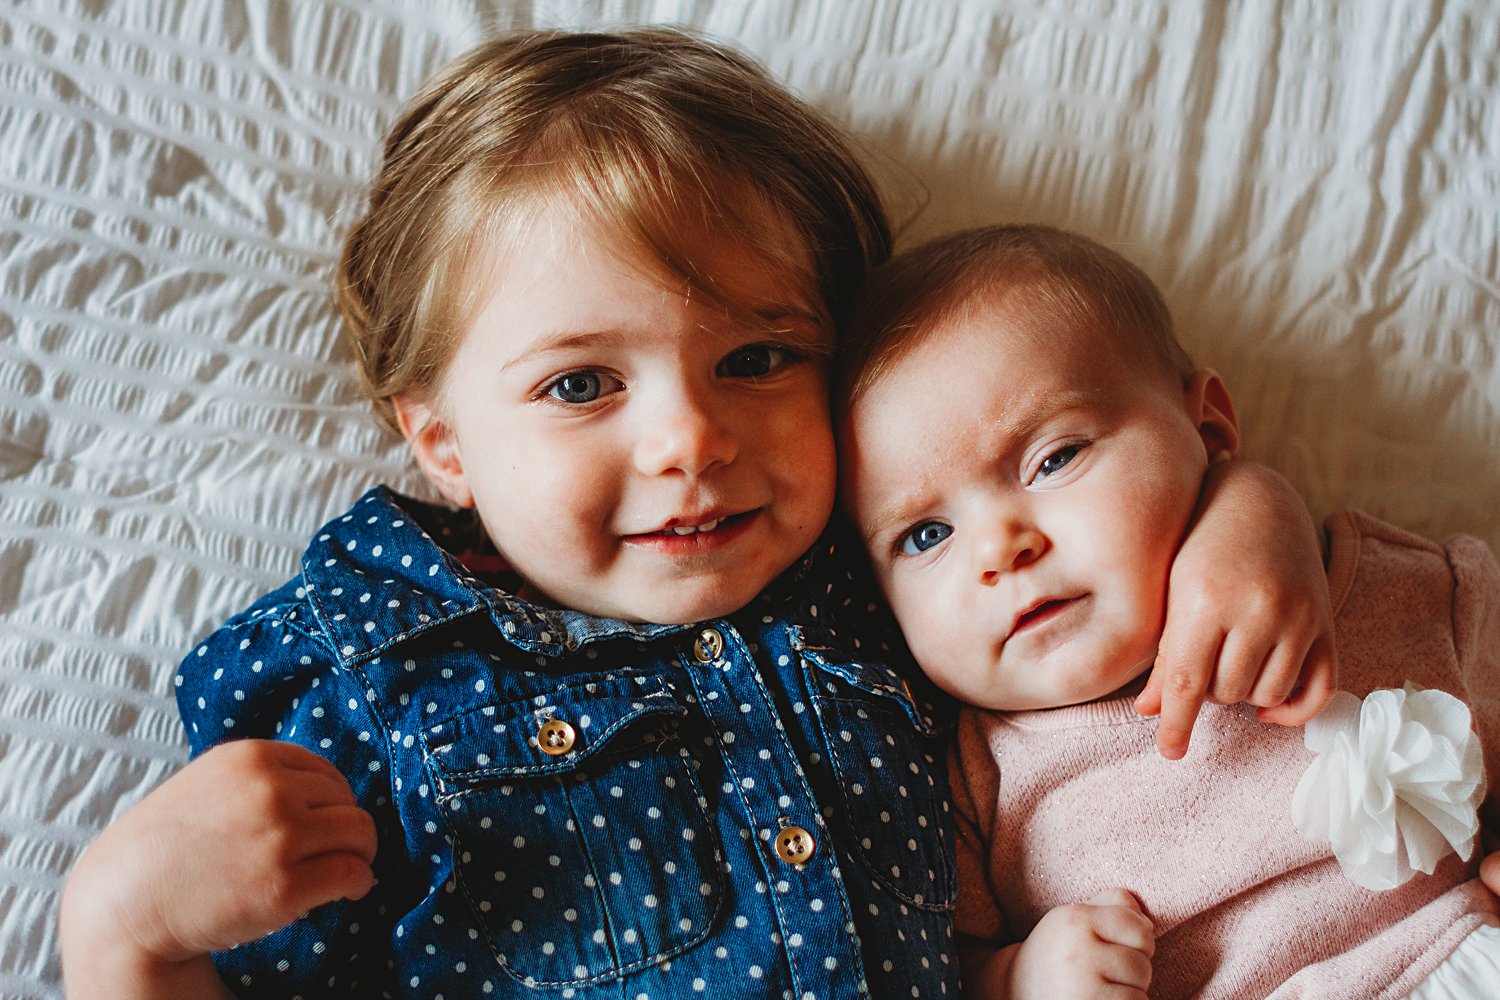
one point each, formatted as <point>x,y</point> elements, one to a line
<point>1047,275</point>
<point>646,133</point>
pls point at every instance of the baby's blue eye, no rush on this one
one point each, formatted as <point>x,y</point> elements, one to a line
<point>924,536</point>
<point>577,387</point>
<point>753,361</point>
<point>1057,460</point>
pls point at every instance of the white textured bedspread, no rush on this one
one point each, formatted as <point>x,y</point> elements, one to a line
<point>1316,186</point>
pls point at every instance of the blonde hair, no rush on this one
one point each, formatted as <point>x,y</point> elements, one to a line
<point>1052,273</point>
<point>642,130</point>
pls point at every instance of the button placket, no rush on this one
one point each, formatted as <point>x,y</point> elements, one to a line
<point>761,771</point>
<point>795,845</point>
<point>708,645</point>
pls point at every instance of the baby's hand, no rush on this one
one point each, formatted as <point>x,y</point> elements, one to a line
<point>1489,872</point>
<point>1097,949</point>
<point>1248,615</point>
<point>239,843</point>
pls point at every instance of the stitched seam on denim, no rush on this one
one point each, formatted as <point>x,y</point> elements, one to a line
<point>619,970</point>
<point>836,759</point>
<point>568,763</point>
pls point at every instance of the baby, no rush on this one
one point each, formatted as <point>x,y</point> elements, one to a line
<point>621,719</point>
<point>1023,444</point>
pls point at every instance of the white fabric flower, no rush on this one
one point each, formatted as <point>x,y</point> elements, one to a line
<point>1396,784</point>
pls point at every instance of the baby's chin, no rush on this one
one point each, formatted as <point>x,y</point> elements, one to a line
<point>1127,682</point>
<point>1120,682</point>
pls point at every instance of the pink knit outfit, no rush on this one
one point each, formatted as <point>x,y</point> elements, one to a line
<point>1055,806</point>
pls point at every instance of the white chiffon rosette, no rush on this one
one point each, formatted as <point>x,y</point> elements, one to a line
<point>1396,784</point>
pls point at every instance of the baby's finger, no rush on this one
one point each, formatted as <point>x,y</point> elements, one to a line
<point>1117,919</point>
<point>1489,871</point>
<point>1125,967</point>
<point>1117,896</point>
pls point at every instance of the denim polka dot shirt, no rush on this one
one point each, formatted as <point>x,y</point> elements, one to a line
<point>570,806</point>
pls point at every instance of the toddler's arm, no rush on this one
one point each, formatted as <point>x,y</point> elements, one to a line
<point>1087,951</point>
<point>1248,617</point>
<point>239,843</point>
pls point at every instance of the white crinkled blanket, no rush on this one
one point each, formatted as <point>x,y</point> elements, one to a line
<point>1316,186</point>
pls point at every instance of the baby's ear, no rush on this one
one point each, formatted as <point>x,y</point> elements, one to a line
<point>1212,411</point>
<point>435,448</point>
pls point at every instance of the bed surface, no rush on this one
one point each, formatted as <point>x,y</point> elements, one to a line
<point>1315,186</point>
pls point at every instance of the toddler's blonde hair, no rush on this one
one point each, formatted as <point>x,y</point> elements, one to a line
<point>640,130</point>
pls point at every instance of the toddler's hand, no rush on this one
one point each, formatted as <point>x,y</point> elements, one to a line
<point>1248,616</point>
<point>239,843</point>
<point>1099,949</point>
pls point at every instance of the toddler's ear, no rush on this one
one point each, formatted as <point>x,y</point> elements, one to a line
<point>435,448</point>
<point>1212,411</point>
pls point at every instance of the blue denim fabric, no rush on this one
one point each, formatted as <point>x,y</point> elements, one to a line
<point>641,858</point>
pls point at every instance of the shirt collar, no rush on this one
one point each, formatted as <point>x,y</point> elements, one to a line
<point>391,569</point>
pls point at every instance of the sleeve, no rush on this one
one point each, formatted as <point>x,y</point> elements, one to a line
<point>263,676</point>
<point>1476,643</point>
<point>975,778</point>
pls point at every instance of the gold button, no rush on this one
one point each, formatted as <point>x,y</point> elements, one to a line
<point>795,845</point>
<point>708,646</point>
<point>556,737</point>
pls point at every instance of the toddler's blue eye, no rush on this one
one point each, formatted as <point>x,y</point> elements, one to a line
<point>577,387</point>
<point>753,361</point>
<point>1057,460</point>
<point>924,536</point>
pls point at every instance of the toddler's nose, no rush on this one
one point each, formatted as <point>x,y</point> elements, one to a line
<point>685,436</point>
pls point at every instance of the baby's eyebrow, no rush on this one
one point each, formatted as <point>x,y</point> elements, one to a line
<point>891,516</point>
<point>1021,422</point>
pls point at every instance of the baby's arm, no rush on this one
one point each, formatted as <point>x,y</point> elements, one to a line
<point>239,843</point>
<point>1099,949</point>
<point>1248,617</point>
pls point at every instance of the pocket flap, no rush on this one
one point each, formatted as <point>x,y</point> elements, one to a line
<point>576,723</point>
<point>875,677</point>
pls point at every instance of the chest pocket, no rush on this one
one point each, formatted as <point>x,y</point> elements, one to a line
<point>889,761</point>
<point>580,833</point>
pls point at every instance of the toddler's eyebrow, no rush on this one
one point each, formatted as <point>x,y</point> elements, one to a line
<point>566,340</point>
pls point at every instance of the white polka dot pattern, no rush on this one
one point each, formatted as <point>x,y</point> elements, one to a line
<point>569,804</point>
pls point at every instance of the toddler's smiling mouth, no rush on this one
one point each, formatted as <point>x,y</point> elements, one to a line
<point>688,529</point>
<point>718,524</point>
